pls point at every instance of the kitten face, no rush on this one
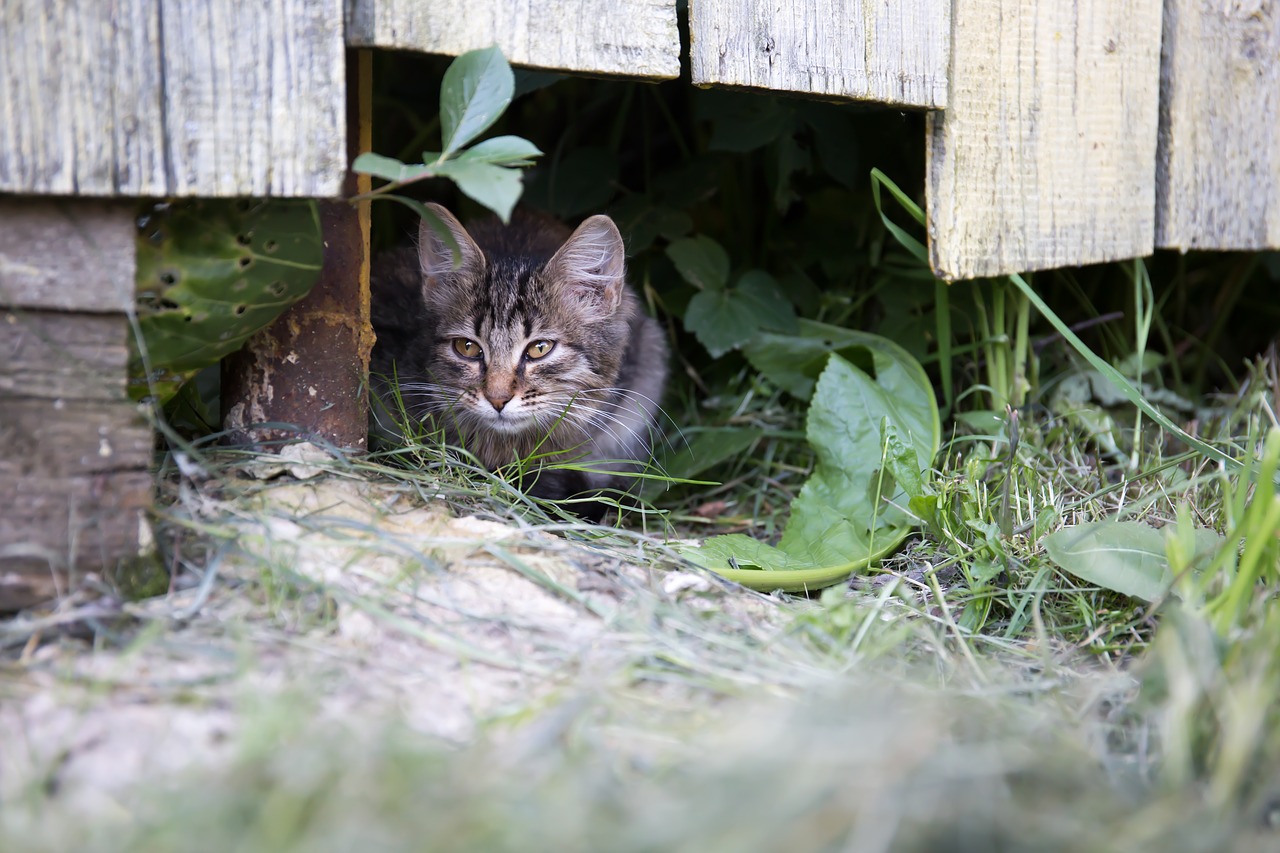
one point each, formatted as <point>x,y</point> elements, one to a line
<point>519,339</point>
<point>518,373</point>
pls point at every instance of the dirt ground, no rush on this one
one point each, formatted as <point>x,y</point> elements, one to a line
<point>346,600</point>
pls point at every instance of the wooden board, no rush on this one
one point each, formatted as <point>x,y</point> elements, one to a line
<point>1045,156</point>
<point>74,452</point>
<point>172,97</point>
<point>1218,175</point>
<point>890,52</point>
<point>73,254</point>
<point>627,38</point>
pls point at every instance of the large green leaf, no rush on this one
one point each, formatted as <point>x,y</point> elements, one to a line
<point>1123,556</point>
<point>476,89</point>
<point>847,514</point>
<point>210,275</point>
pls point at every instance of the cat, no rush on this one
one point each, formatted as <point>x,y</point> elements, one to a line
<point>532,342</point>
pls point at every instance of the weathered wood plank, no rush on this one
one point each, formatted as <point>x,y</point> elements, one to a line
<point>1218,168</point>
<point>628,38</point>
<point>53,355</point>
<point>74,473</point>
<point>74,452</point>
<point>172,97</point>
<point>1045,156</point>
<point>75,254</point>
<point>60,526</point>
<point>890,52</point>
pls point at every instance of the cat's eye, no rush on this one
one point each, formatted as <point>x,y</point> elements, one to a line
<point>466,348</point>
<point>538,349</point>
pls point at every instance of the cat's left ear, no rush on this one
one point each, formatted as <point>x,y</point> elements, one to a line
<point>591,265</point>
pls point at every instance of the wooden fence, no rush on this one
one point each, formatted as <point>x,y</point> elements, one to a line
<point>1061,132</point>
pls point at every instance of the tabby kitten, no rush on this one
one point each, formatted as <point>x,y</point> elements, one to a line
<point>533,344</point>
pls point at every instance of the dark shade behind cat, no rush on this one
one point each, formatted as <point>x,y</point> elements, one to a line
<point>533,344</point>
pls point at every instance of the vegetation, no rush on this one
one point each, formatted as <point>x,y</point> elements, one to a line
<point>1074,649</point>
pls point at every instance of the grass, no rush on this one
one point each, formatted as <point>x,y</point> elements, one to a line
<point>406,653</point>
<point>969,696</point>
<point>342,661</point>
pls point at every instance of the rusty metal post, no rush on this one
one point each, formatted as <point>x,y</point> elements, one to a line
<point>310,367</point>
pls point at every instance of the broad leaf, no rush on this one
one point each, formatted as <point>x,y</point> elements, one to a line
<point>775,310</point>
<point>845,516</point>
<point>724,320</point>
<point>212,273</point>
<point>701,261</point>
<point>1127,557</point>
<point>496,187</point>
<point>477,87</point>
<point>721,321</point>
<point>709,447</point>
<point>793,362</point>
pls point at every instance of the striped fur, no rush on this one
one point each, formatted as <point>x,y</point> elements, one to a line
<point>593,395</point>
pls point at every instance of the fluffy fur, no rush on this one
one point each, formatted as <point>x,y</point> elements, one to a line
<point>532,343</point>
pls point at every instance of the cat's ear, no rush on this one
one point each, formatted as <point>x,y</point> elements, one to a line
<point>591,265</point>
<point>435,254</point>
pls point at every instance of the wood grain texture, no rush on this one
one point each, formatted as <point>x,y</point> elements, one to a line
<point>73,254</point>
<point>893,52</point>
<point>627,38</point>
<point>74,470</point>
<point>172,97</point>
<point>1218,172</point>
<point>1045,156</point>
<point>75,454</point>
<point>55,355</point>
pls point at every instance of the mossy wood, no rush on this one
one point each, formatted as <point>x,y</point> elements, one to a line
<point>74,452</point>
<point>895,53</point>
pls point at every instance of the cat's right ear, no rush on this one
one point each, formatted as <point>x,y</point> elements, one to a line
<point>445,249</point>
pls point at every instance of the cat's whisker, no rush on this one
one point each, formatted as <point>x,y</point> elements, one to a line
<point>655,437</point>
<point>627,392</point>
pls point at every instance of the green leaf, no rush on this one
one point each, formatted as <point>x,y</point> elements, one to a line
<point>720,321</point>
<point>476,89</point>
<point>902,461</point>
<point>840,522</point>
<point>724,320</point>
<point>701,261</point>
<point>793,362</point>
<point>1127,557</point>
<point>775,310</point>
<point>502,151</point>
<point>496,187</point>
<point>212,273</point>
<point>708,448</point>
<point>388,168</point>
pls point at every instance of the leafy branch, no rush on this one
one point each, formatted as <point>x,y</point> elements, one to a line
<point>476,90</point>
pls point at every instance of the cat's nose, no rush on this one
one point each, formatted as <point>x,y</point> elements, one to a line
<point>498,399</point>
